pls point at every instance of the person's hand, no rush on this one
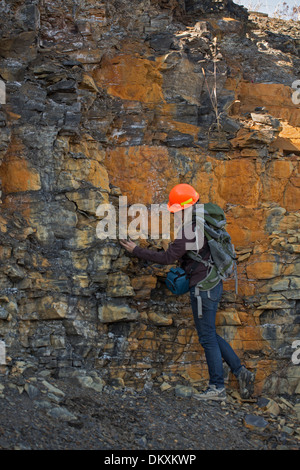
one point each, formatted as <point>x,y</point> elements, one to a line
<point>128,245</point>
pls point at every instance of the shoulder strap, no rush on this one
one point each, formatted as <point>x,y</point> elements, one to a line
<point>199,259</point>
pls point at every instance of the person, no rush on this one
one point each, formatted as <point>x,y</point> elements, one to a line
<point>215,347</point>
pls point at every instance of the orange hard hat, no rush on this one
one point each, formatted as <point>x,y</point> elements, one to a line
<point>182,196</point>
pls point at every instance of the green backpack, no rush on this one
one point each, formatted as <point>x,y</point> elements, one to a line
<point>222,262</point>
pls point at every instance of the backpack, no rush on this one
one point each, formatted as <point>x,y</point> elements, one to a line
<point>222,261</point>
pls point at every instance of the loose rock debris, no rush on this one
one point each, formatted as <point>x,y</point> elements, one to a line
<point>41,413</point>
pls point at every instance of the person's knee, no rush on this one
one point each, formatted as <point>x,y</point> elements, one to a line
<point>207,339</point>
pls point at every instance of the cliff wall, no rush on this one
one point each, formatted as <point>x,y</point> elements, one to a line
<point>114,98</point>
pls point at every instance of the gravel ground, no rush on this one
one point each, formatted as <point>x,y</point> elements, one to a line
<point>74,417</point>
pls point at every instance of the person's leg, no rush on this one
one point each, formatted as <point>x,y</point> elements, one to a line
<point>215,347</point>
<point>229,356</point>
<point>206,329</point>
<point>244,376</point>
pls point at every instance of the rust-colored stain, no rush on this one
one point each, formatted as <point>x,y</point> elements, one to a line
<point>15,172</point>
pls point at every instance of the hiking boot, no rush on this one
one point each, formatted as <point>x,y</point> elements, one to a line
<point>246,382</point>
<point>212,393</point>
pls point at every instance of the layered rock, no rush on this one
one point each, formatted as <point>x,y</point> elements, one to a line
<point>110,99</point>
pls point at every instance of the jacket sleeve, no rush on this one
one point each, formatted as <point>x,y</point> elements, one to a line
<point>175,251</point>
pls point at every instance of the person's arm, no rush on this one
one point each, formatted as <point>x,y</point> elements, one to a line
<point>175,251</point>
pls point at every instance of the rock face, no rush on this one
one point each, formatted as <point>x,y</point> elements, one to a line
<point>116,98</point>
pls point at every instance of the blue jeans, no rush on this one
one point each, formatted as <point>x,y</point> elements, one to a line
<point>215,347</point>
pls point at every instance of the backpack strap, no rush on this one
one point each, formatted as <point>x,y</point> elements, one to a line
<point>200,259</point>
<point>208,283</point>
<point>199,301</point>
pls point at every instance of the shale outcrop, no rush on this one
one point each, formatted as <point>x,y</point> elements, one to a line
<point>115,99</point>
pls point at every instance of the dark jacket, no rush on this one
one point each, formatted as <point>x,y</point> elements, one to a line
<point>177,251</point>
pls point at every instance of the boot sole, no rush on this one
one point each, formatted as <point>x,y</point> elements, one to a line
<point>210,398</point>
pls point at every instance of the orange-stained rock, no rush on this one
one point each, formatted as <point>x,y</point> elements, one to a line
<point>277,98</point>
<point>144,174</point>
<point>194,372</point>
<point>3,225</point>
<point>159,320</point>
<point>245,287</point>
<point>225,25</point>
<point>249,338</point>
<point>246,226</point>
<point>264,369</point>
<point>238,182</point>
<point>88,147</point>
<point>263,266</point>
<point>228,317</point>
<point>76,171</point>
<point>275,180</point>
<point>17,176</point>
<point>130,78</point>
<point>291,196</point>
<point>16,173</point>
<point>289,138</point>
<point>143,285</point>
<point>205,179</point>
